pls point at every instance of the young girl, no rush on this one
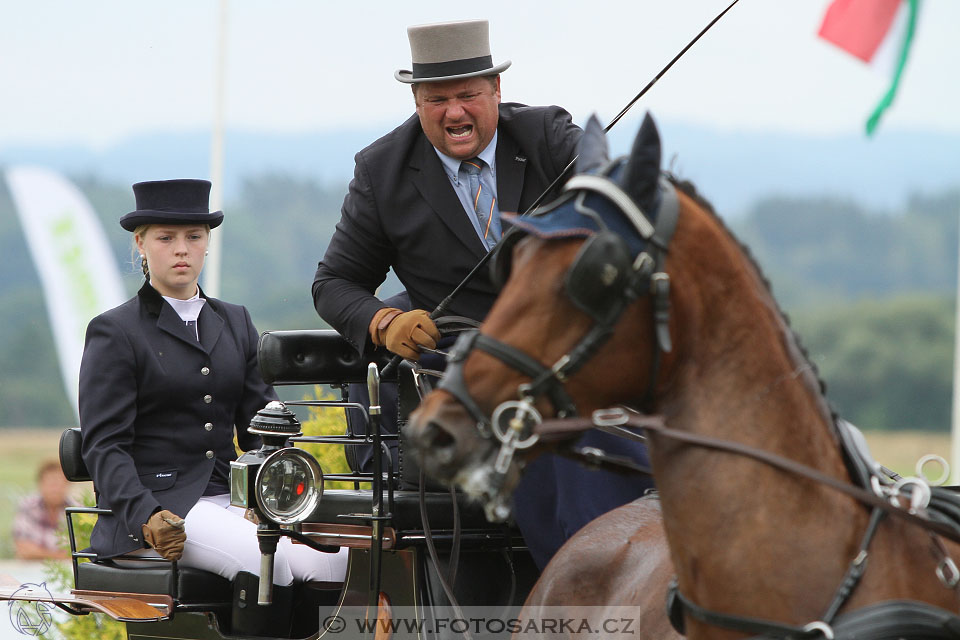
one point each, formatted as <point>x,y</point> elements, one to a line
<point>165,381</point>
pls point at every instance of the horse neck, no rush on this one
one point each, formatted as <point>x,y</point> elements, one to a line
<point>738,374</point>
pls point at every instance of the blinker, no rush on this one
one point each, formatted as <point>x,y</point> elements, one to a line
<point>599,274</point>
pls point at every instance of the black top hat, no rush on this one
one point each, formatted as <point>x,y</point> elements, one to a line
<point>172,202</point>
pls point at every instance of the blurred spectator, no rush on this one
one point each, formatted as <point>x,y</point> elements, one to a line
<point>40,516</point>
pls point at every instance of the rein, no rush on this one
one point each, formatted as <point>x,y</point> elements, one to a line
<point>655,424</point>
<point>677,603</point>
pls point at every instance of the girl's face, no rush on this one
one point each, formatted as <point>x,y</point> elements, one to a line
<point>175,256</point>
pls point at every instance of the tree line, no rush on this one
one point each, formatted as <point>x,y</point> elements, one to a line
<point>871,293</point>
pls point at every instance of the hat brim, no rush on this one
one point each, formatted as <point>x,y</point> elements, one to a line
<point>406,76</point>
<point>146,216</point>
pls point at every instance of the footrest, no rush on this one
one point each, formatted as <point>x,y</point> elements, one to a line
<point>117,606</point>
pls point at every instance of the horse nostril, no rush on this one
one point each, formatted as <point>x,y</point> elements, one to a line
<point>437,437</point>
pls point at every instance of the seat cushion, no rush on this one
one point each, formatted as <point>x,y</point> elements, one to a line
<point>193,585</point>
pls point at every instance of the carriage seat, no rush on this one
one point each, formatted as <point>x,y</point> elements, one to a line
<point>313,356</point>
<point>186,585</point>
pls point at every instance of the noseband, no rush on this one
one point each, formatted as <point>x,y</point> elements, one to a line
<point>603,280</point>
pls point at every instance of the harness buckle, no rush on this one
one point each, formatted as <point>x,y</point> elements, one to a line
<point>919,495</point>
<point>609,417</point>
<point>947,572</point>
<point>643,264</point>
<point>825,630</point>
<point>559,368</point>
<point>878,489</point>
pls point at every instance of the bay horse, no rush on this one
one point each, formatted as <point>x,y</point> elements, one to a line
<point>606,305</point>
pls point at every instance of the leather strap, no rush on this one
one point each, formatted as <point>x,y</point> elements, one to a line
<point>656,425</point>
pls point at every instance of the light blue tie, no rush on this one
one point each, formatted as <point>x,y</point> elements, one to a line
<point>484,204</point>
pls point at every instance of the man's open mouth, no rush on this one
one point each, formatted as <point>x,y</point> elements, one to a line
<point>462,131</point>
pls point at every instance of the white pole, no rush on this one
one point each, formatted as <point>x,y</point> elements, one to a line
<point>955,417</point>
<point>211,282</point>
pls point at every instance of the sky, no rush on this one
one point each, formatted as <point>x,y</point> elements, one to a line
<point>96,72</point>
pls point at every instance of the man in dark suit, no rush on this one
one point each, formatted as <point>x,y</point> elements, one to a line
<point>405,207</point>
<point>413,205</point>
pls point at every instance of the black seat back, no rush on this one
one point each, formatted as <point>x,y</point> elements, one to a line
<point>71,461</point>
<point>323,356</point>
<point>312,356</point>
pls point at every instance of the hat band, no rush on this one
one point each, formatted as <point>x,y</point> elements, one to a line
<point>176,209</point>
<point>424,70</point>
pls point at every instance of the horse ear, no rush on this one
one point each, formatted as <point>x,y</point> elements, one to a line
<point>643,169</point>
<point>592,152</point>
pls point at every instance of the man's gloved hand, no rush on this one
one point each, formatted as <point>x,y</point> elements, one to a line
<point>404,333</point>
<point>164,532</point>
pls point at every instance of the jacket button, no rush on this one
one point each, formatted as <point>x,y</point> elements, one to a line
<point>208,426</point>
<point>205,371</point>
<point>209,454</point>
<point>208,398</point>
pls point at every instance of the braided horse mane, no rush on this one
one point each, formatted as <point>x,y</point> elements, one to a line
<point>690,190</point>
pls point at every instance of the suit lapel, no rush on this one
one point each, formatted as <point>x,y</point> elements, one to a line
<point>211,326</point>
<point>169,322</point>
<point>511,165</point>
<point>433,184</point>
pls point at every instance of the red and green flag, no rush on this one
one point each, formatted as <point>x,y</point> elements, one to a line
<point>879,32</point>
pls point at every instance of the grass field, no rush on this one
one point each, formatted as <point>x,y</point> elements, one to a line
<point>22,451</point>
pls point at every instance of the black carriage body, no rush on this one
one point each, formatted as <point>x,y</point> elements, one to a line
<point>494,570</point>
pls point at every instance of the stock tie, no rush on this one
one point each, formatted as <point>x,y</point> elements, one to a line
<point>193,325</point>
<point>484,204</point>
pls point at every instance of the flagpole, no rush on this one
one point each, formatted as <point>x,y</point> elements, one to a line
<point>211,282</point>
<point>955,414</point>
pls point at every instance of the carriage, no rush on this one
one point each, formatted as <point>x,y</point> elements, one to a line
<point>414,548</point>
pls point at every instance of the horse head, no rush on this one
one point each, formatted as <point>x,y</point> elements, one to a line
<point>594,313</point>
<point>580,279</point>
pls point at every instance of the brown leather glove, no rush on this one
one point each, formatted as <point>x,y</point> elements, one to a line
<point>404,333</point>
<point>164,532</point>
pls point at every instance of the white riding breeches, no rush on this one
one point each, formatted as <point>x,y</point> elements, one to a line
<point>222,541</point>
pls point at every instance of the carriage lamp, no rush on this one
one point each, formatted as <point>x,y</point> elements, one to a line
<point>288,486</point>
<point>274,424</point>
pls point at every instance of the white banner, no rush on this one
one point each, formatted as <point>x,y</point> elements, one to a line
<point>74,261</point>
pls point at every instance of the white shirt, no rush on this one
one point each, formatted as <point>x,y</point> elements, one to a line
<point>189,309</point>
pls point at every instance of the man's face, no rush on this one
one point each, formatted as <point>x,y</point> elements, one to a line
<point>459,117</point>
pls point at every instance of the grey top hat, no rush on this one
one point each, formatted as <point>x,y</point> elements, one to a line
<point>172,202</point>
<point>449,51</point>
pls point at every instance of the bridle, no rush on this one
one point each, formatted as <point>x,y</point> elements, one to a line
<point>605,277</point>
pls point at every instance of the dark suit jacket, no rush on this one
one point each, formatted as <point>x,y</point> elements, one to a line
<point>151,437</point>
<point>402,212</point>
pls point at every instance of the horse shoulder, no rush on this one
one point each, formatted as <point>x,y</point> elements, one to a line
<point>617,564</point>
